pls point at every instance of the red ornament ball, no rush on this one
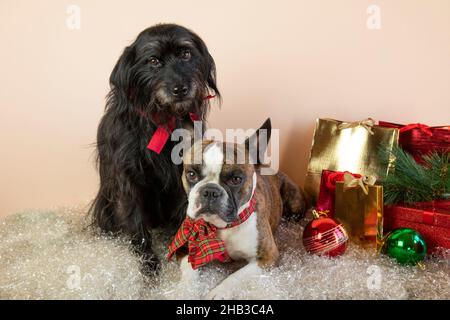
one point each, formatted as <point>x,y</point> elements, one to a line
<point>325,236</point>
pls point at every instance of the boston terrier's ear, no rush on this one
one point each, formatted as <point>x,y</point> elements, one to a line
<point>256,145</point>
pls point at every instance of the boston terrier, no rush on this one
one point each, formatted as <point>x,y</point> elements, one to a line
<point>233,210</point>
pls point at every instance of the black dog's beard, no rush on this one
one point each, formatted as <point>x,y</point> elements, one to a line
<point>166,106</point>
<point>164,98</point>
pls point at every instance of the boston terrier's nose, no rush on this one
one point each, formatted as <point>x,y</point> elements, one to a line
<point>211,193</point>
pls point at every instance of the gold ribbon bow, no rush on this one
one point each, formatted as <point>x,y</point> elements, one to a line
<point>318,213</point>
<point>364,182</point>
<point>366,124</point>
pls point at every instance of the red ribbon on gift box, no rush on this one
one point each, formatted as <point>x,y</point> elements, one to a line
<point>422,127</point>
<point>428,217</point>
<point>431,219</point>
<point>419,139</point>
<point>435,213</point>
<point>432,210</point>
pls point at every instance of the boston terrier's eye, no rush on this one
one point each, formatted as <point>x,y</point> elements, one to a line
<point>235,180</point>
<point>191,176</point>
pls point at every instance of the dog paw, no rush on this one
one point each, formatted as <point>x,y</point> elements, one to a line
<point>150,265</point>
<point>220,293</point>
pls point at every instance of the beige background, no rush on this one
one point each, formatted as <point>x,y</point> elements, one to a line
<point>291,60</point>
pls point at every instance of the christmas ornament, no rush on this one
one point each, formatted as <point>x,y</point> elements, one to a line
<point>405,245</point>
<point>430,219</point>
<point>324,236</point>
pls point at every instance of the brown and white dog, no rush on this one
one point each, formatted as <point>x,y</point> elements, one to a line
<point>219,189</point>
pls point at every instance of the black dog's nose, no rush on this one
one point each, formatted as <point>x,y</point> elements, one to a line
<point>180,90</point>
<point>211,193</point>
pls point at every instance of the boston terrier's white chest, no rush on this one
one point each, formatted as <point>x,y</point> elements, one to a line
<point>241,241</point>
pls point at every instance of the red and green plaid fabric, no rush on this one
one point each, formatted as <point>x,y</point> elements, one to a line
<point>202,241</point>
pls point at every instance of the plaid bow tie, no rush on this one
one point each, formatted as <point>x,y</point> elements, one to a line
<point>202,240</point>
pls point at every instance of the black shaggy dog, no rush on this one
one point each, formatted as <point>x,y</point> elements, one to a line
<point>164,75</point>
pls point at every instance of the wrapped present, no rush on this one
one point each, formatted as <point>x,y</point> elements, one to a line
<point>325,199</point>
<point>419,139</point>
<point>359,206</point>
<point>430,219</point>
<point>342,146</point>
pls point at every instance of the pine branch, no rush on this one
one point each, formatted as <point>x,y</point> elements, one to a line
<point>439,166</point>
<point>410,182</point>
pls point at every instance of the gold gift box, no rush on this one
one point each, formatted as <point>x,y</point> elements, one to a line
<point>360,213</point>
<point>342,146</point>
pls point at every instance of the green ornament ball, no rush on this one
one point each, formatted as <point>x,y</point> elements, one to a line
<point>405,245</point>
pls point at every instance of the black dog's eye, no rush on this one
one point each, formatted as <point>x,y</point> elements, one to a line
<point>185,55</point>
<point>154,61</point>
<point>191,176</point>
<point>235,180</point>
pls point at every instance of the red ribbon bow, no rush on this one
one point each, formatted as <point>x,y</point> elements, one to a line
<point>163,132</point>
<point>423,127</point>
<point>202,240</point>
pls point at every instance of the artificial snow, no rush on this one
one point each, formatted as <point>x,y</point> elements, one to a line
<point>55,255</point>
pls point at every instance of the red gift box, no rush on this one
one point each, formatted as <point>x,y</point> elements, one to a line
<point>419,139</point>
<point>325,199</point>
<point>431,220</point>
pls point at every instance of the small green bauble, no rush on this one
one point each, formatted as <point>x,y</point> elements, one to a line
<point>405,245</point>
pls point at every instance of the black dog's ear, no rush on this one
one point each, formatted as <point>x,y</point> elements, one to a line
<point>211,78</point>
<point>209,66</point>
<point>120,76</point>
<point>256,145</point>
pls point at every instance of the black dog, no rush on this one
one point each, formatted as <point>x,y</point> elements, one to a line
<point>162,77</point>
